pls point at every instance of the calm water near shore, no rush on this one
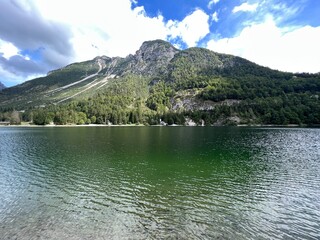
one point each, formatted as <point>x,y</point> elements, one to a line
<point>159,183</point>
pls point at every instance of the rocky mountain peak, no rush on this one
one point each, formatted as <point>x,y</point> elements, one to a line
<point>156,50</point>
<point>152,58</point>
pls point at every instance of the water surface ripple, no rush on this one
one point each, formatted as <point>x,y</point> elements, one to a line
<point>159,183</point>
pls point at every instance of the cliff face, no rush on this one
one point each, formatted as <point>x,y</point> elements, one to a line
<point>153,58</point>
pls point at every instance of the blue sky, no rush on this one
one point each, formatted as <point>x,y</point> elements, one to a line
<point>37,36</point>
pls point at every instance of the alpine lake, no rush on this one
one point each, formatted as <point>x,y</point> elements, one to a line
<point>159,183</point>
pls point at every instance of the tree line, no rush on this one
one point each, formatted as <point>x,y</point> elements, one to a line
<point>283,99</point>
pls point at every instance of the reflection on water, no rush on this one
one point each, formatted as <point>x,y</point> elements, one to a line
<point>159,183</point>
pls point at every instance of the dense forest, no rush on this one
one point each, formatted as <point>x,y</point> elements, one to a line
<point>132,100</point>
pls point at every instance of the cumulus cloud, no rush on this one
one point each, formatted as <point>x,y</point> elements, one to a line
<point>104,27</point>
<point>69,31</point>
<point>18,64</point>
<point>16,68</point>
<point>191,29</point>
<point>37,36</point>
<point>245,7</point>
<point>61,32</point>
<point>24,27</point>
<point>214,17</point>
<point>10,78</point>
<point>275,47</point>
<point>212,2</point>
<point>7,49</point>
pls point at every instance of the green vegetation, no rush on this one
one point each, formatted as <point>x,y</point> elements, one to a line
<point>197,84</point>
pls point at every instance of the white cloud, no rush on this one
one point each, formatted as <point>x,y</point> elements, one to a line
<point>112,26</point>
<point>274,47</point>
<point>9,79</point>
<point>214,17</point>
<point>212,2</point>
<point>191,29</point>
<point>7,49</point>
<point>245,7</point>
<point>79,30</point>
<point>73,31</point>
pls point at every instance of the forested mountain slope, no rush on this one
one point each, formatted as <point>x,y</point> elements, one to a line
<point>162,82</point>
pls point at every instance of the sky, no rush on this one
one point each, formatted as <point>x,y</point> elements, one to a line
<point>37,36</point>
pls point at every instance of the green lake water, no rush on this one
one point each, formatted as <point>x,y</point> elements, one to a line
<point>159,183</point>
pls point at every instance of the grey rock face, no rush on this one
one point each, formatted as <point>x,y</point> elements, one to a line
<point>152,59</point>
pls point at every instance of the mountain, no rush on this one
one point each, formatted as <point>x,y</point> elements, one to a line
<point>2,86</point>
<point>87,77</point>
<point>160,81</point>
<point>157,60</point>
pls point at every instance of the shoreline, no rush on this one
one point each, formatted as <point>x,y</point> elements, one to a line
<point>175,125</point>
